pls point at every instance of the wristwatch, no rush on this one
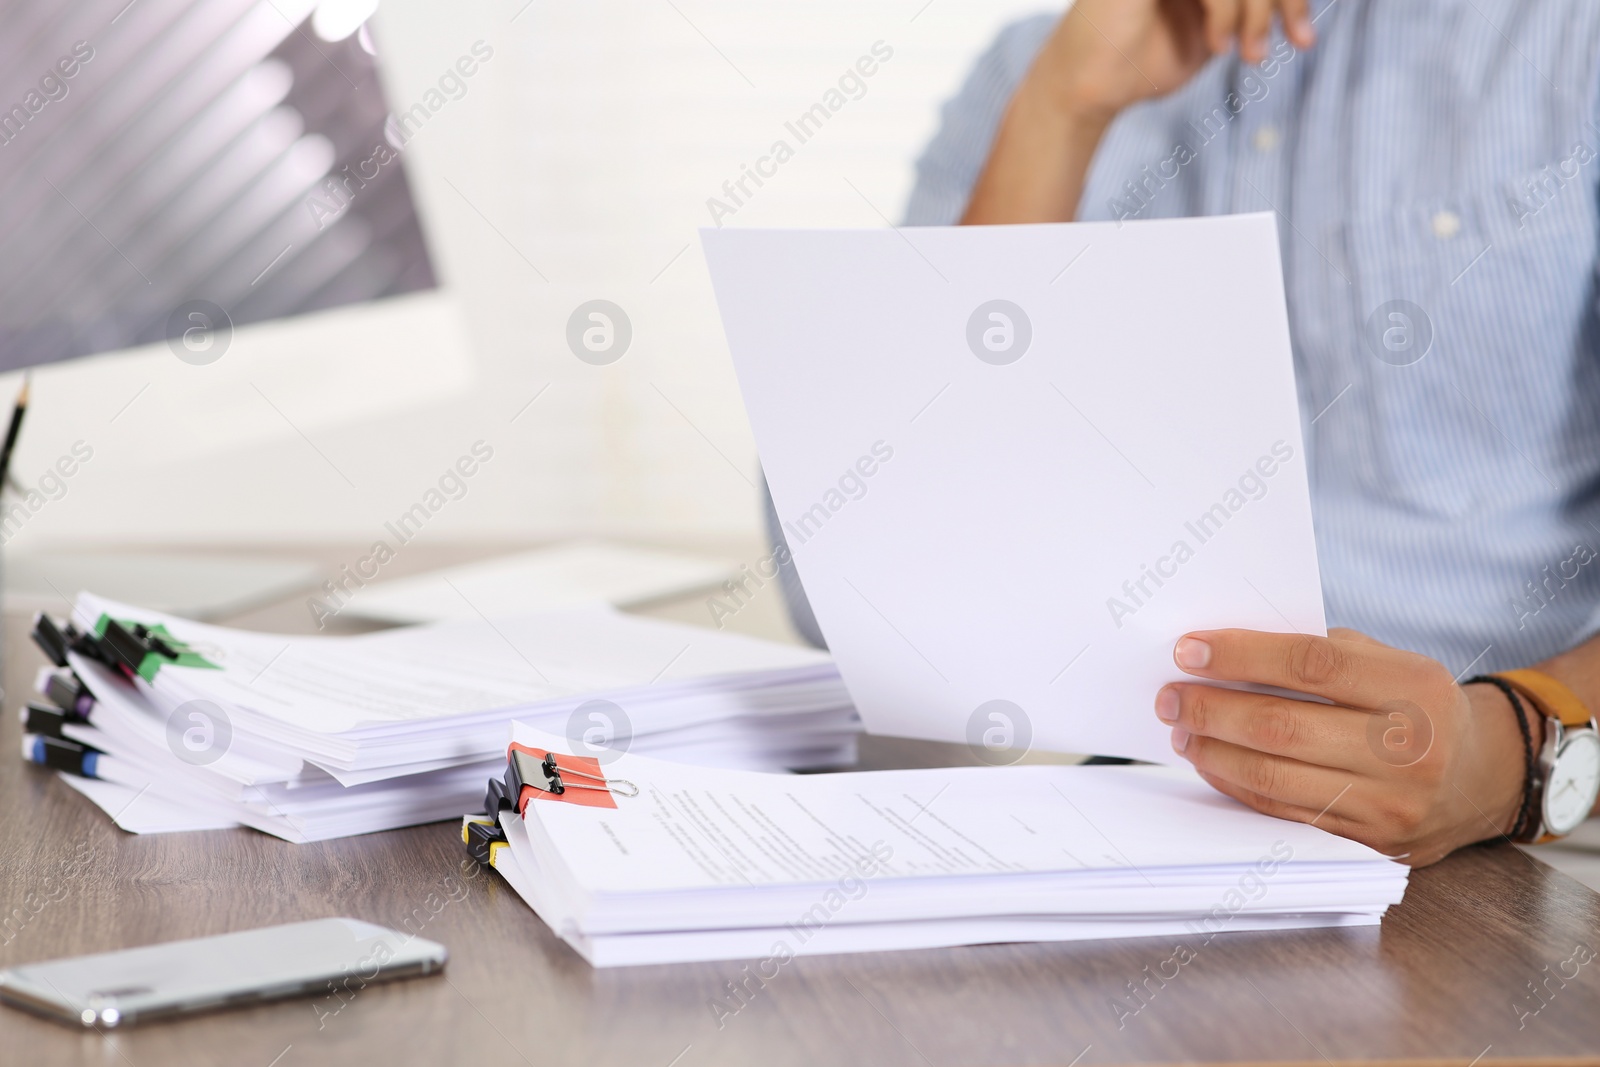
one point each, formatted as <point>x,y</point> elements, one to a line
<point>1567,771</point>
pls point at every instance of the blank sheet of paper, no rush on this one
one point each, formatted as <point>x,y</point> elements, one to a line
<point>1016,463</point>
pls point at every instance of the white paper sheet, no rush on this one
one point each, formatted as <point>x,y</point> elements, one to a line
<point>140,812</point>
<point>1037,532</point>
<point>558,576</point>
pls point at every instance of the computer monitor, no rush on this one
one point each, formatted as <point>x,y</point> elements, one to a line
<point>208,210</point>
<point>211,165</point>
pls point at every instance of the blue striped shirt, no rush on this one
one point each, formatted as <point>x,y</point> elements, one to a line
<point>1433,165</point>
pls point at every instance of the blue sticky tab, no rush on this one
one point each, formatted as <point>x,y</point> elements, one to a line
<point>91,762</point>
<point>37,755</point>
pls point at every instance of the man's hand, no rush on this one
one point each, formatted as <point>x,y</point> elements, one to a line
<point>1103,56</point>
<point>1403,759</point>
<point>1107,54</point>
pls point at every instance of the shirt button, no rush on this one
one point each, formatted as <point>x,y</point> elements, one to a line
<point>1265,139</point>
<point>1446,224</point>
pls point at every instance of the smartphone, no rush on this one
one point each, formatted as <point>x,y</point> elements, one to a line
<point>318,957</point>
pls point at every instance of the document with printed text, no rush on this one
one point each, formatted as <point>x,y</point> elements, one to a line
<point>700,863</point>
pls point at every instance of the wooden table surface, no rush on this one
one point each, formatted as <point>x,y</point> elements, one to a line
<point>1445,979</point>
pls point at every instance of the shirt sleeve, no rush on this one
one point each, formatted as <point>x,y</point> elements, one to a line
<point>950,165</point>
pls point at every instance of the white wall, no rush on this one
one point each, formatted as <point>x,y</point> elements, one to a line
<point>586,147</point>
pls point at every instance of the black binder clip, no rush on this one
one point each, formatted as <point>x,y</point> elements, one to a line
<point>545,774</point>
<point>44,720</point>
<point>497,799</point>
<point>482,837</point>
<point>57,639</point>
<point>513,781</point>
<point>51,641</point>
<point>66,690</point>
<point>540,774</point>
<point>131,646</point>
<point>62,754</point>
<point>620,786</point>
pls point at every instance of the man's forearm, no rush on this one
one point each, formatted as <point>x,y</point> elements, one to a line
<point>1040,159</point>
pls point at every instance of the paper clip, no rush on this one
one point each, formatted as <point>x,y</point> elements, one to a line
<point>546,774</point>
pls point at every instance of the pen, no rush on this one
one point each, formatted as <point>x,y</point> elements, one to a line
<point>13,430</point>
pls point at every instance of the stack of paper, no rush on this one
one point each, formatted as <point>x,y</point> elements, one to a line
<point>316,737</point>
<point>709,864</point>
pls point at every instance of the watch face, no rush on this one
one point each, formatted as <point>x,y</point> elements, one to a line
<point>1574,781</point>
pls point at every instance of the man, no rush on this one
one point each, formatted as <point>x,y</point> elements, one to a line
<point>1433,169</point>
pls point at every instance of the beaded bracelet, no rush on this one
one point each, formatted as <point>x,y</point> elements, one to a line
<point>1523,828</point>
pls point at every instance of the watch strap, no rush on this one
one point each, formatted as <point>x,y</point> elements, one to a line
<point>1552,697</point>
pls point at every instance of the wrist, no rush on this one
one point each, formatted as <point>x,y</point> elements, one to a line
<point>1496,776</point>
<point>1065,107</point>
<point>1038,164</point>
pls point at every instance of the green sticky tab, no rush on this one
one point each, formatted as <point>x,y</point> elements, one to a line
<point>154,661</point>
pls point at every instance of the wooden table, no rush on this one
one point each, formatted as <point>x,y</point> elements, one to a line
<point>1445,979</point>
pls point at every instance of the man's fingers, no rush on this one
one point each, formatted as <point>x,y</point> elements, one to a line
<point>1222,23</point>
<point>1265,805</point>
<point>1255,23</point>
<point>1353,673</point>
<point>1297,23</point>
<point>1328,819</point>
<point>1250,22</point>
<point>1343,633</point>
<point>1319,734</point>
<point>1274,777</point>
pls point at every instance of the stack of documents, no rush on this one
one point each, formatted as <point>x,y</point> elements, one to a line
<point>673,863</point>
<point>310,738</point>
